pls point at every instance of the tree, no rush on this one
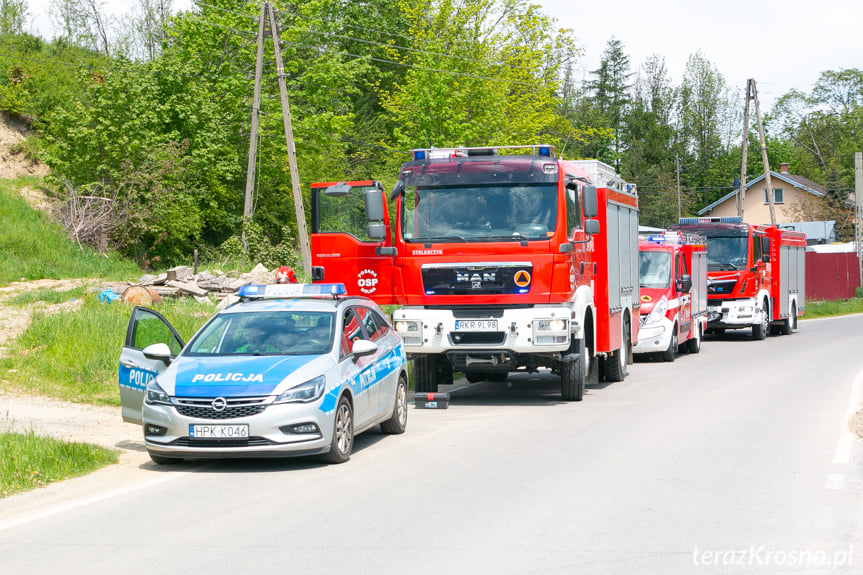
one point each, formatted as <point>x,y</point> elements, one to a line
<point>13,16</point>
<point>609,93</point>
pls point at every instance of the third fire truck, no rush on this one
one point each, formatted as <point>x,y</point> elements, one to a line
<point>673,283</point>
<point>756,274</point>
<point>502,259</point>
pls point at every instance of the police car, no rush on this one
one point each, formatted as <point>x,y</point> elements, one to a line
<point>291,369</point>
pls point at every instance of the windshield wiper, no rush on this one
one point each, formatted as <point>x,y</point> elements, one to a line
<point>514,236</point>
<point>440,239</point>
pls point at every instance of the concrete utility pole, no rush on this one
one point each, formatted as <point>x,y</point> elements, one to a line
<point>741,194</point>
<point>764,160</point>
<point>305,249</point>
<point>677,163</point>
<point>858,210</point>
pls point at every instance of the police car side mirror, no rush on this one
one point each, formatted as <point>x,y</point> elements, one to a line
<point>684,284</point>
<point>159,352</point>
<point>363,347</point>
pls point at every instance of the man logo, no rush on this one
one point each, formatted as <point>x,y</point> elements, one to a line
<point>522,278</point>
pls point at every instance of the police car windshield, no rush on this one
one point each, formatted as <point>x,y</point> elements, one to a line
<point>654,269</point>
<point>265,333</point>
<point>480,213</point>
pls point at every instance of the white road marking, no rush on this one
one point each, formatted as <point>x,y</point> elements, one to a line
<point>51,511</point>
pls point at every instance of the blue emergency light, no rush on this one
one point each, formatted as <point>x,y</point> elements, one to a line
<point>419,154</point>
<point>545,151</point>
<point>292,290</point>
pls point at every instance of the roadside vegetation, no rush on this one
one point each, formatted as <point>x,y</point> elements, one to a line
<point>30,461</point>
<point>815,309</point>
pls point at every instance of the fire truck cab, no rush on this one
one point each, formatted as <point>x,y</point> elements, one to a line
<point>502,259</point>
<point>673,287</point>
<point>756,275</point>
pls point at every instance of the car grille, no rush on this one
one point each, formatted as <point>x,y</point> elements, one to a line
<point>202,408</point>
<point>216,443</point>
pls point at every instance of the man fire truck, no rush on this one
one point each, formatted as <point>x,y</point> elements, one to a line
<point>502,258</point>
<point>673,283</point>
<point>755,274</point>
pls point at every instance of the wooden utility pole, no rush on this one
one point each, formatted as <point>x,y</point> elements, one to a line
<point>292,156</point>
<point>677,163</point>
<point>248,204</point>
<point>764,160</point>
<point>741,194</point>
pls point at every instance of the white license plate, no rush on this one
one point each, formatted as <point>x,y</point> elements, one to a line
<point>198,431</point>
<point>476,325</point>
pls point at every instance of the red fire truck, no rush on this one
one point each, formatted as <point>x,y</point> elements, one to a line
<point>501,258</point>
<point>755,275</point>
<point>673,286</point>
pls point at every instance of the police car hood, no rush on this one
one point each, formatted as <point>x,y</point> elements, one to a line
<point>240,376</point>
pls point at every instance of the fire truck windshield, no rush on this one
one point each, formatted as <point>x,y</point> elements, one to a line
<point>726,253</point>
<point>480,213</point>
<point>654,269</point>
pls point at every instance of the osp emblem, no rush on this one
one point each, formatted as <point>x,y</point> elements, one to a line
<point>367,281</point>
<point>521,278</point>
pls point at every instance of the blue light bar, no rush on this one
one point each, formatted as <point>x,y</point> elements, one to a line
<point>722,220</point>
<point>545,151</point>
<point>419,154</point>
<point>292,290</point>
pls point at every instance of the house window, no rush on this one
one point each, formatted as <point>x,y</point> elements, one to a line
<point>777,196</point>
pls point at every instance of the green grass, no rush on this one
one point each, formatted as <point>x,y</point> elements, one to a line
<point>816,309</point>
<point>30,461</point>
<point>73,355</point>
<point>35,247</point>
<point>47,296</point>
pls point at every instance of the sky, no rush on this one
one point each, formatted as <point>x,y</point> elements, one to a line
<point>782,44</point>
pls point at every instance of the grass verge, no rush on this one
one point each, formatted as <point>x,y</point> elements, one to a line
<point>30,461</point>
<point>815,309</point>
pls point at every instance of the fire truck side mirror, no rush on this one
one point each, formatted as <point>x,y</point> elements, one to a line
<point>684,284</point>
<point>566,247</point>
<point>397,190</point>
<point>765,249</point>
<point>376,231</point>
<point>386,251</point>
<point>338,190</point>
<point>374,206</point>
<point>589,202</point>
<point>591,227</point>
<point>317,273</point>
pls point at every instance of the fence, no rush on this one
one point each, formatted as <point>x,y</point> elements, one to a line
<point>831,276</point>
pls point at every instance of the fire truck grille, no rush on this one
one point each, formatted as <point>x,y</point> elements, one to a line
<point>478,338</point>
<point>721,287</point>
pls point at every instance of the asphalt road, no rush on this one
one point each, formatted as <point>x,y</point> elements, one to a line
<point>738,459</point>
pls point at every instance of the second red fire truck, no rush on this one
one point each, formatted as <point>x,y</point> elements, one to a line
<point>502,259</point>
<point>673,287</point>
<point>755,274</point>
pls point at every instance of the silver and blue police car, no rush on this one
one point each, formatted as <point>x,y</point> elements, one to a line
<point>291,369</point>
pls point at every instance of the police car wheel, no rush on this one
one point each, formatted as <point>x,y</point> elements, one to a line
<point>343,433</point>
<point>399,420</point>
<point>162,460</point>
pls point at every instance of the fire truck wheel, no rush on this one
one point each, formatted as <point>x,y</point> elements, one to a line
<point>785,326</point>
<point>425,374</point>
<point>794,317</point>
<point>572,376</point>
<point>615,365</point>
<point>759,331</point>
<point>668,354</point>
<point>694,344</point>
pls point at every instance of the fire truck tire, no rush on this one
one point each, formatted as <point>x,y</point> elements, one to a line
<point>615,365</point>
<point>785,326</point>
<point>694,344</point>
<point>760,330</point>
<point>573,373</point>
<point>668,354</point>
<point>425,374</point>
<point>794,317</point>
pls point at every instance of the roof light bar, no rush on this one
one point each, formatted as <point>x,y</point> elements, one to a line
<point>544,150</point>
<point>292,290</point>
<point>722,220</point>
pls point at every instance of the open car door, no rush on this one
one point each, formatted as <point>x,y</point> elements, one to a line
<point>351,242</point>
<point>146,327</point>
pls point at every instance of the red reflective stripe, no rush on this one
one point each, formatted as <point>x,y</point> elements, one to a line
<point>430,397</point>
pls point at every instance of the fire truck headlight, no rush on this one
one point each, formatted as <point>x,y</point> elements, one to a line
<point>550,331</point>
<point>658,312</point>
<point>410,331</point>
<point>404,326</point>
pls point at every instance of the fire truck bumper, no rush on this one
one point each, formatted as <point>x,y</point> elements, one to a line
<point>539,329</point>
<point>733,314</point>
<point>653,337</point>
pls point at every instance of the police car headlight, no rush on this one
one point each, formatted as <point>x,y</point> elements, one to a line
<point>156,395</point>
<point>309,391</point>
<point>659,311</point>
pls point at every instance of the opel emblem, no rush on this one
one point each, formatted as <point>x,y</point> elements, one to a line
<point>219,404</point>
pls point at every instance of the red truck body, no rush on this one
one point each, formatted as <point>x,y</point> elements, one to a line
<point>756,274</point>
<point>673,288</point>
<point>502,259</point>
